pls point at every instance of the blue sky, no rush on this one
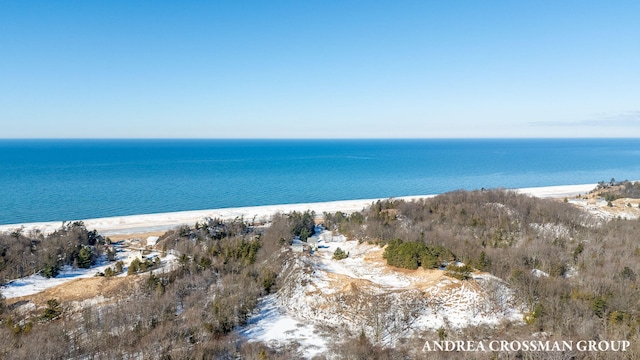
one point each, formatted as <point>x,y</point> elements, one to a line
<point>319,69</point>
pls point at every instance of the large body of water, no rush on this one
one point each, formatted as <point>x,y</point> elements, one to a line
<point>50,180</point>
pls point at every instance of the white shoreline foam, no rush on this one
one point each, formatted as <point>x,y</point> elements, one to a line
<point>135,224</point>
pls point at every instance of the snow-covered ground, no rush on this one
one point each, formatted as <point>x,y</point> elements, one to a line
<point>273,326</point>
<point>354,266</point>
<point>601,209</point>
<point>598,207</point>
<point>362,293</point>
<point>34,284</point>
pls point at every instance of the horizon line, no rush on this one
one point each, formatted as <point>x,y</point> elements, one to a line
<point>322,138</point>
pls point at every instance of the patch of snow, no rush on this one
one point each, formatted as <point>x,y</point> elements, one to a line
<point>362,294</point>
<point>551,230</point>
<point>37,283</point>
<point>354,266</point>
<point>539,273</point>
<point>167,264</point>
<point>500,206</point>
<point>600,208</point>
<point>274,327</point>
<point>571,272</point>
<point>152,240</point>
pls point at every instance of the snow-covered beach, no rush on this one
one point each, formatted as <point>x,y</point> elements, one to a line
<point>135,224</point>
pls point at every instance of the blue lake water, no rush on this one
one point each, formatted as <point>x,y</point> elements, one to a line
<point>47,180</point>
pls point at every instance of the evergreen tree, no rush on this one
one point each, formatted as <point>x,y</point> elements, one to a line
<point>483,262</point>
<point>459,272</point>
<point>599,305</point>
<point>84,257</point>
<point>108,272</point>
<point>51,270</point>
<point>411,255</point>
<point>134,267</point>
<point>53,310</point>
<point>340,254</point>
<point>119,267</point>
<point>302,224</point>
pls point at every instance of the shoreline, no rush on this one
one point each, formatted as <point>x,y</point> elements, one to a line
<point>135,224</point>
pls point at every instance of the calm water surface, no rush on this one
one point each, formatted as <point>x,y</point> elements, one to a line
<point>47,180</point>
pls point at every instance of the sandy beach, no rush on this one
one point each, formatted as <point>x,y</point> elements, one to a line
<point>135,224</point>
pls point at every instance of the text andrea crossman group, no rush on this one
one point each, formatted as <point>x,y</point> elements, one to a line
<point>528,345</point>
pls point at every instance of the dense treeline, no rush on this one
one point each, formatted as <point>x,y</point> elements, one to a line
<point>302,224</point>
<point>223,268</point>
<point>25,254</point>
<point>413,254</point>
<point>615,190</point>
<point>575,274</point>
<point>476,226</point>
<point>347,224</point>
<point>630,190</point>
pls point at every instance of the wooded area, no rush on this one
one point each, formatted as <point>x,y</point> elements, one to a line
<point>588,289</point>
<point>26,254</point>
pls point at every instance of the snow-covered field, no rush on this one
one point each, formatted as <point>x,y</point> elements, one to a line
<point>36,283</point>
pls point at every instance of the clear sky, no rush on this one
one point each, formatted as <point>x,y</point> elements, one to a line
<point>319,69</point>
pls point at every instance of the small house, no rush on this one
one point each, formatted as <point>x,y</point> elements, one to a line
<point>313,242</point>
<point>297,245</point>
<point>326,236</point>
